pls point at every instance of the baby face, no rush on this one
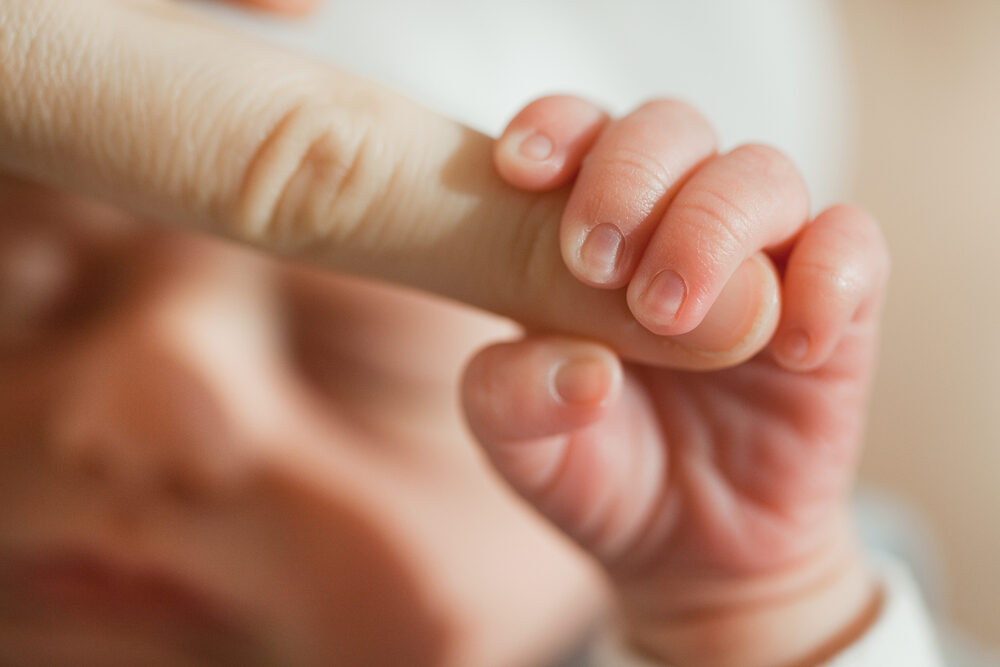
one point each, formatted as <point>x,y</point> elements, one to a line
<point>208,457</point>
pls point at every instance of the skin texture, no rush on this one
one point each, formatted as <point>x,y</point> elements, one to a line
<point>715,500</point>
<point>270,149</point>
<point>268,417</point>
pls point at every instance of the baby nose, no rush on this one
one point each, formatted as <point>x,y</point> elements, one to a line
<point>147,427</point>
<point>169,394</point>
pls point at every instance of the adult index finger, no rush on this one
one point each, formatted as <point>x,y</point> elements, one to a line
<point>145,106</point>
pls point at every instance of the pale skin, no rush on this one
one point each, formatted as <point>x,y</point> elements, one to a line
<point>715,500</point>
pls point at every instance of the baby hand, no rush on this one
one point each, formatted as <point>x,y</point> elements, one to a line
<point>716,501</point>
<point>655,209</point>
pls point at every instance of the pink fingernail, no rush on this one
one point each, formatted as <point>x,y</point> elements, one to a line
<point>795,344</point>
<point>581,381</point>
<point>537,147</point>
<point>663,297</point>
<point>601,252</point>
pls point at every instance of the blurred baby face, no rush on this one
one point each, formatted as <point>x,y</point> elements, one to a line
<point>210,458</point>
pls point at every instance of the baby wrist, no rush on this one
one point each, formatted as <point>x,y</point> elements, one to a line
<point>801,628</point>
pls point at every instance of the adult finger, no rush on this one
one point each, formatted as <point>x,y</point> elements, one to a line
<point>145,106</point>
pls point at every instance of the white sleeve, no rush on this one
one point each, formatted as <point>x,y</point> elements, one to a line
<point>901,635</point>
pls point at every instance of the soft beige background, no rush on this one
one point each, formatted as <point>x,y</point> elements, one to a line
<point>929,145</point>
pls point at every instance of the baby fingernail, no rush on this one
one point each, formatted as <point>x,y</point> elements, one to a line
<point>537,147</point>
<point>663,297</point>
<point>581,381</point>
<point>795,345</point>
<point>734,314</point>
<point>601,252</point>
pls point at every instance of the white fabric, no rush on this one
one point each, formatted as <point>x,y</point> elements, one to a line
<point>901,635</point>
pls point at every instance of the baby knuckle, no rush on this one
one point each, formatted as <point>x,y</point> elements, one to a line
<point>697,130</point>
<point>561,100</point>
<point>858,233</point>
<point>729,223</point>
<point>778,171</point>
<point>762,157</point>
<point>676,109</point>
<point>851,281</point>
<point>847,280</point>
<point>636,164</point>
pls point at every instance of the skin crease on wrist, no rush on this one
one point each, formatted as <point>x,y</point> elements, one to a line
<point>795,618</point>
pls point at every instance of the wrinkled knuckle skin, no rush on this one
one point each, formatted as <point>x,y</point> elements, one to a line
<point>861,236</point>
<point>304,183</point>
<point>667,107</point>
<point>731,225</point>
<point>637,164</point>
<point>848,282</point>
<point>683,115</point>
<point>766,158</point>
<point>780,178</point>
<point>674,108</point>
<point>777,168</point>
